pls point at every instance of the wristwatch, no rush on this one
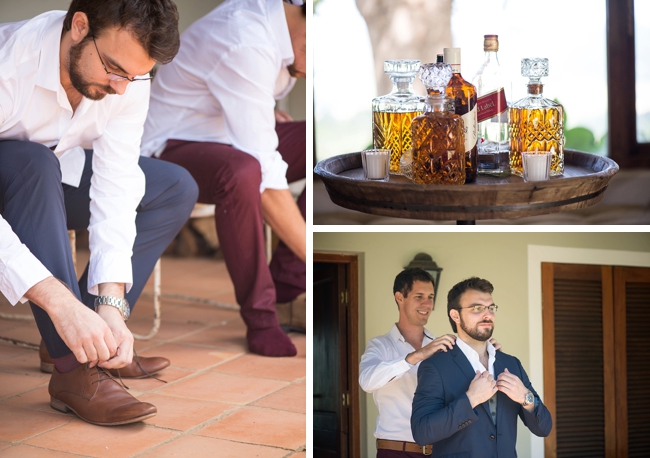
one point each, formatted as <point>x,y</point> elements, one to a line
<point>121,304</point>
<point>528,399</point>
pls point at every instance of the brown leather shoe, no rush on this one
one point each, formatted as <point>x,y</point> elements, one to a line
<point>96,397</point>
<point>293,315</point>
<point>140,367</point>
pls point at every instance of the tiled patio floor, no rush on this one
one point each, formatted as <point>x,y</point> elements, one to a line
<point>220,400</point>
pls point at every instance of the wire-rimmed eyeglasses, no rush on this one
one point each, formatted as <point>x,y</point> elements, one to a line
<point>481,308</point>
<point>114,76</point>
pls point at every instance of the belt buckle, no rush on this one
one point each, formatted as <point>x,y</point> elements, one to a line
<point>424,450</point>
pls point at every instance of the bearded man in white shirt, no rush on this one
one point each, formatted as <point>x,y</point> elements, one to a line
<point>74,94</point>
<point>212,111</point>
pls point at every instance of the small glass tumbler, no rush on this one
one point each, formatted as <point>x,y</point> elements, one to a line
<point>537,165</point>
<point>375,164</point>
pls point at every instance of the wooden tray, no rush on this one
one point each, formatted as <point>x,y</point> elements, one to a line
<point>584,181</point>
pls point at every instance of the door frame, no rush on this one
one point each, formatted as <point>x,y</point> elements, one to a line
<point>536,255</point>
<point>352,263</point>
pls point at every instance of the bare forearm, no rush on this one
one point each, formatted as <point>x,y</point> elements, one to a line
<point>283,215</point>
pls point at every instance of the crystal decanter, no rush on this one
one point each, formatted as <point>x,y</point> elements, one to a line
<point>392,113</point>
<point>536,123</point>
<point>439,133</point>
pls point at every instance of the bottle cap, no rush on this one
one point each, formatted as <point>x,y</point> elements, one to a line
<point>452,56</point>
<point>435,77</point>
<point>490,42</point>
<point>439,58</point>
<point>402,67</point>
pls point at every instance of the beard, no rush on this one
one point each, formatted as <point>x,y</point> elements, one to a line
<point>77,79</point>
<point>477,334</point>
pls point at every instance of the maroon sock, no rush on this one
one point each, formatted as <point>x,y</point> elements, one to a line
<point>270,342</point>
<point>66,363</point>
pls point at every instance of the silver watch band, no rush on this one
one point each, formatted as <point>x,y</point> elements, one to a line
<point>119,303</point>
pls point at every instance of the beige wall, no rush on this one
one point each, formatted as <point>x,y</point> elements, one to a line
<point>188,10</point>
<point>502,258</point>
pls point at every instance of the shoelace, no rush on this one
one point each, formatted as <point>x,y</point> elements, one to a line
<point>147,374</point>
<point>107,376</point>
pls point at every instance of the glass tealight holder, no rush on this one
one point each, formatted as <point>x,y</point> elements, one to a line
<point>537,165</point>
<point>375,164</point>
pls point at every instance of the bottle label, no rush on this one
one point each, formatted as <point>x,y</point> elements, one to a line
<point>469,119</point>
<point>492,104</point>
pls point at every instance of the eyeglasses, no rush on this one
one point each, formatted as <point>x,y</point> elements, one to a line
<point>114,76</point>
<point>481,308</point>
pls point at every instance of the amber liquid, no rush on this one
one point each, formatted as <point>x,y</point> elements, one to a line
<point>438,149</point>
<point>536,129</point>
<point>464,95</point>
<point>393,131</point>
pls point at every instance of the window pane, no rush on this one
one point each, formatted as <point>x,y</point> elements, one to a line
<point>576,50</point>
<point>642,50</point>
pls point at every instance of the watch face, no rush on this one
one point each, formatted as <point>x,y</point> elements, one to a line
<point>529,398</point>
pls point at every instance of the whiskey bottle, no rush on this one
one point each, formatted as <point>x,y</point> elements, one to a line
<point>392,113</point>
<point>536,123</point>
<point>492,113</point>
<point>464,95</point>
<point>439,133</point>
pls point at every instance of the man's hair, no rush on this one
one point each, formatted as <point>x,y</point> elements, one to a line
<point>404,280</point>
<point>453,297</point>
<point>153,23</point>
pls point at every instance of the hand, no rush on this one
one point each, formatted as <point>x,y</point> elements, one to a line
<point>122,335</point>
<point>513,387</point>
<point>282,116</point>
<point>83,331</point>
<point>442,343</point>
<point>495,344</point>
<point>481,388</point>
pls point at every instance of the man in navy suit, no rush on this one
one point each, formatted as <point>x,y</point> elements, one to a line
<point>468,398</point>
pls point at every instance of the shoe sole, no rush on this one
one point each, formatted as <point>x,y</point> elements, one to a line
<point>48,368</point>
<point>63,407</point>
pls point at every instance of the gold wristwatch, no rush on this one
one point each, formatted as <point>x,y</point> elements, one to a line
<point>121,304</point>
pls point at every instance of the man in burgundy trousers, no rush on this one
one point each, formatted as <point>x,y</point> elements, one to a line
<point>212,112</point>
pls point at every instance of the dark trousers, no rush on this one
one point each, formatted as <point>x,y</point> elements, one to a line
<point>230,179</point>
<point>398,454</point>
<point>40,210</point>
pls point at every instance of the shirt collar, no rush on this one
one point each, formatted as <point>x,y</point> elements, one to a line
<point>49,66</point>
<point>281,31</point>
<point>472,355</point>
<point>396,336</point>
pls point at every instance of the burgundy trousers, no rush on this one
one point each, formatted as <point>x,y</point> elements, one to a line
<point>230,179</point>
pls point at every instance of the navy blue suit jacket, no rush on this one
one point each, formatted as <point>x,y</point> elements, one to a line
<point>443,416</point>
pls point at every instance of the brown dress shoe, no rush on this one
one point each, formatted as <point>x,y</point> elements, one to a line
<point>293,315</point>
<point>96,397</point>
<point>140,367</point>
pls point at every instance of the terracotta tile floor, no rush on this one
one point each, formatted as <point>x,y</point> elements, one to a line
<point>219,400</point>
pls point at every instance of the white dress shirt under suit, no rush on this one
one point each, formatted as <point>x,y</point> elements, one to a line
<point>384,372</point>
<point>34,107</point>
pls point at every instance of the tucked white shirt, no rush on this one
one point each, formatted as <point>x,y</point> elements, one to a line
<point>384,372</point>
<point>473,356</point>
<point>34,107</point>
<point>222,85</point>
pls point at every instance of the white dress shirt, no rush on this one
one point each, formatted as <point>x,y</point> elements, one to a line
<point>34,107</point>
<point>222,85</point>
<point>384,372</point>
<point>473,356</point>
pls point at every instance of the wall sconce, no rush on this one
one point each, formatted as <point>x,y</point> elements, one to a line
<point>425,262</point>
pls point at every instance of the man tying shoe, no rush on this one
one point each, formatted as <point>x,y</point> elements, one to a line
<point>212,111</point>
<point>74,91</point>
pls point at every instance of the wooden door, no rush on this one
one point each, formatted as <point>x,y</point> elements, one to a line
<point>336,360</point>
<point>594,330</point>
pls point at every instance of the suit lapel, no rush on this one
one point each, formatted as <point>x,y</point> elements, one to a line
<point>501,397</point>
<point>463,363</point>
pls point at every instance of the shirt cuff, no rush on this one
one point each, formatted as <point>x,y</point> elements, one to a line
<point>110,267</point>
<point>19,274</point>
<point>274,174</point>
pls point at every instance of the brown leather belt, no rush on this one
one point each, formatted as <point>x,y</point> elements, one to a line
<point>401,446</point>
